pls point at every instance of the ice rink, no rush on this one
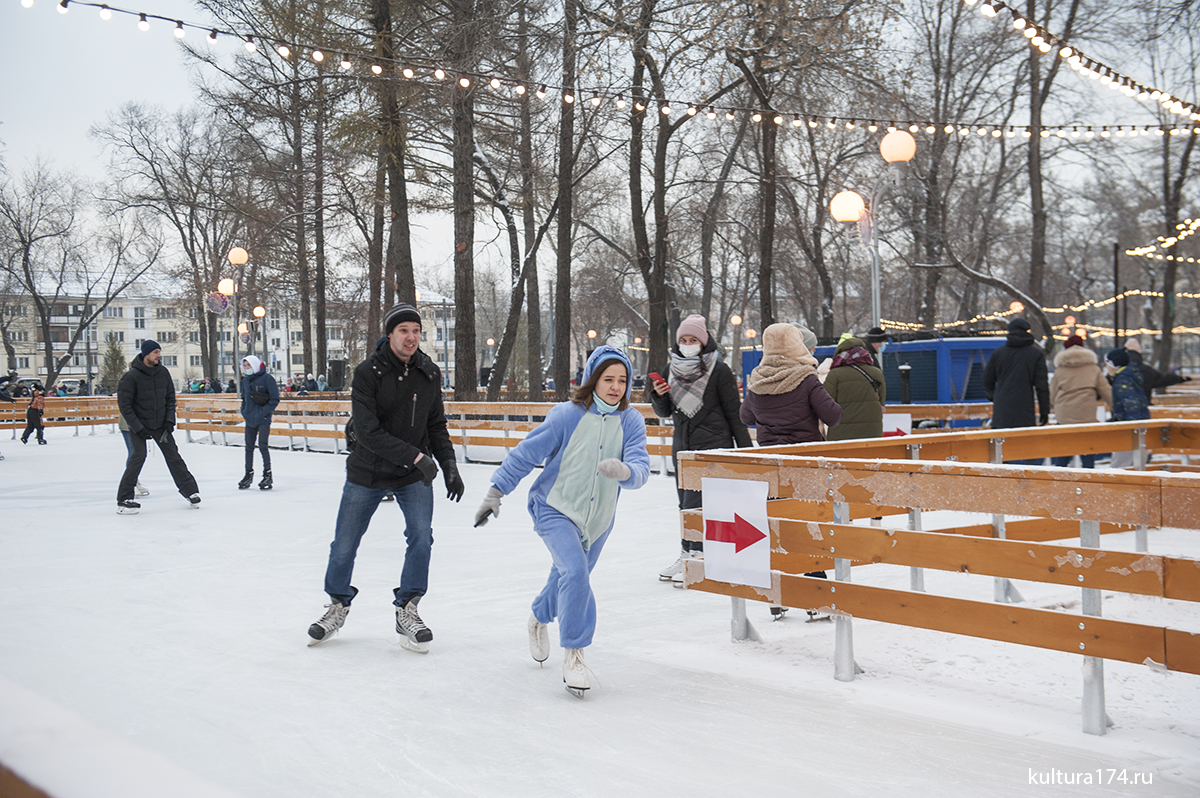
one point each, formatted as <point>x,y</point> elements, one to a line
<point>176,640</point>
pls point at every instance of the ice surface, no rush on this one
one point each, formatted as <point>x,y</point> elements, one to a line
<point>183,633</point>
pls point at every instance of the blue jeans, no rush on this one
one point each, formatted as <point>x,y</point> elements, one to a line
<point>258,436</point>
<point>1085,461</point>
<point>354,515</point>
<point>567,595</point>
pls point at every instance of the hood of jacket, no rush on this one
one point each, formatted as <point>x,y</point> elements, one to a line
<point>141,365</point>
<point>1019,338</point>
<point>1074,357</point>
<point>604,353</point>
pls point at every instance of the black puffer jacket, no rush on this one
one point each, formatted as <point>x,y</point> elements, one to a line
<point>398,412</point>
<point>1152,378</point>
<point>1011,376</point>
<point>146,397</point>
<point>716,424</point>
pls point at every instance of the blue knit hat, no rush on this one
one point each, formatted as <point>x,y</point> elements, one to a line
<point>149,345</point>
<point>1119,358</point>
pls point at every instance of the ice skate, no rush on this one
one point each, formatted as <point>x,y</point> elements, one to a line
<point>575,672</point>
<point>414,634</point>
<point>539,639</point>
<point>128,507</point>
<point>777,613</point>
<point>140,490</point>
<point>194,500</point>
<point>267,482</point>
<point>331,621</point>
<point>668,574</point>
<point>246,480</point>
<point>677,579</point>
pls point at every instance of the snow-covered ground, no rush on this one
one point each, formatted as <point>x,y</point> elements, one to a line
<point>180,634</point>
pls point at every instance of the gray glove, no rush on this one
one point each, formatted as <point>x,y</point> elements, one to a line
<point>490,506</point>
<point>614,469</point>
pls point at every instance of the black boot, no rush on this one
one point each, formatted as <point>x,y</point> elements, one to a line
<point>246,480</point>
<point>267,482</point>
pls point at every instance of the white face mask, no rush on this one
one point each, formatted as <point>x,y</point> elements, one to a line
<point>246,369</point>
<point>689,350</point>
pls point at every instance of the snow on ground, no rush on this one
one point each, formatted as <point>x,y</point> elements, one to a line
<point>182,632</point>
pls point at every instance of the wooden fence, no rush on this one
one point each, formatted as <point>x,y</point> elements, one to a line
<point>822,487</point>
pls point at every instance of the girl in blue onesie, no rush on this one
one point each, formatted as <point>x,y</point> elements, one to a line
<point>590,448</point>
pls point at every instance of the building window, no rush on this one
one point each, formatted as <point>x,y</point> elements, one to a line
<point>170,360</point>
<point>194,337</point>
<point>114,312</point>
<point>139,324</point>
<point>115,335</point>
<point>276,343</point>
<point>298,360</point>
<point>274,322</point>
<point>137,343</point>
<point>333,334</point>
<point>194,360</point>
<point>164,313</point>
<point>14,310</point>
<point>296,336</point>
<point>226,336</point>
<point>139,313</point>
<point>164,337</point>
<point>22,362</point>
<point>18,335</point>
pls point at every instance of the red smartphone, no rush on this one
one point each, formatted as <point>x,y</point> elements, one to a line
<point>654,375</point>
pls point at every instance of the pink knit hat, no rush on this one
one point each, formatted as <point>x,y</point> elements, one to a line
<point>695,325</point>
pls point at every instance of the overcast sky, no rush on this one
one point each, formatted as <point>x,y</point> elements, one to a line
<point>65,72</point>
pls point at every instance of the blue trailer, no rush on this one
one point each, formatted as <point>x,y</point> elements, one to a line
<point>944,371</point>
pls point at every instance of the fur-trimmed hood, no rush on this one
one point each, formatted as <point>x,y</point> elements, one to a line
<point>1074,357</point>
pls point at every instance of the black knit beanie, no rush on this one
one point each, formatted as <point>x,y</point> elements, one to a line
<point>399,313</point>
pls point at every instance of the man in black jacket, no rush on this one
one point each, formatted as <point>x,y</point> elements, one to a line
<point>400,429</point>
<point>1152,378</point>
<point>1011,377</point>
<point>146,399</point>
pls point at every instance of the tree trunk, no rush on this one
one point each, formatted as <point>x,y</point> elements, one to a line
<point>566,162</point>
<point>375,250</point>
<point>1173,186</point>
<point>1037,205</point>
<point>767,234</point>
<point>319,230</point>
<point>533,316</point>
<point>298,209</point>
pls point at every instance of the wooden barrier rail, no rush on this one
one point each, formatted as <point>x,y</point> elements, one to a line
<point>823,486</point>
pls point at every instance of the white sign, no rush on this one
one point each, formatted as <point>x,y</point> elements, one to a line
<point>895,424</point>
<point>737,540</point>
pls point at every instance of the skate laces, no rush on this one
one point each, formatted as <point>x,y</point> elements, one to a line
<point>334,617</point>
<point>412,621</point>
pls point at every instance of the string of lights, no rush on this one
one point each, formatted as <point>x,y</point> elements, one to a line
<point>1186,228</point>
<point>1068,323</point>
<point>422,68</point>
<point>1085,65</point>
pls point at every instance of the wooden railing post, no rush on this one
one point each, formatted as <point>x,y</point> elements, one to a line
<point>1003,589</point>
<point>1142,535</point>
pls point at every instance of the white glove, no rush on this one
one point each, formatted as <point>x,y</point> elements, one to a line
<point>614,469</point>
<point>490,506</point>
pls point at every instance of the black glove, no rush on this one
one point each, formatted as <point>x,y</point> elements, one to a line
<point>454,483</point>
<point>146,433</point>
<point>427,468</point>
<point>1044,420</point>
<point>1186,378</point>
<point>166,433</point>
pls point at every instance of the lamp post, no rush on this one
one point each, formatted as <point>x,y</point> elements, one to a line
<point>238,258</point>
<point>897,146</point>
<point>249,328</point>
<point>736,321</point>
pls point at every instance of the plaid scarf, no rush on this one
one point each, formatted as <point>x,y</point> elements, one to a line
<point>689,379</point>
<point>852,356</point>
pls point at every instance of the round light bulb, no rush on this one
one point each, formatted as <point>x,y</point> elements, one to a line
<point>105,11</point>
<point>143,25</point>
<point>179,31</point>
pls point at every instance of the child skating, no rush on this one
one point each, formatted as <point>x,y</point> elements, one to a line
<point>591,447</point>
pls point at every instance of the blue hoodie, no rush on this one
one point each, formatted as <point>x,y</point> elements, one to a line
<point>570,444</point>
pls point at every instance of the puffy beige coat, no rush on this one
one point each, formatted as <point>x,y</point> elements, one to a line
<point>1077,382</point>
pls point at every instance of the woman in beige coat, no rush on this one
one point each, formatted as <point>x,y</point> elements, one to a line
<point>1078,382</point>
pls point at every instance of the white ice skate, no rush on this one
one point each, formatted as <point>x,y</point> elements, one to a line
<point>575,672</point>
<point>140,490</point>
<point>539,639</point>
<point>324,629</point>
<point>414,634</point>
<point>668,574</point>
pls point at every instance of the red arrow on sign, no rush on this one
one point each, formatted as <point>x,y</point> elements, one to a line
<point>740,532</point>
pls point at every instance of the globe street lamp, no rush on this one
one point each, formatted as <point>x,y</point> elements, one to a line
<point>736,321</point>
<point>249,328</point>
<point>897,146</point>
<point>238,258</point>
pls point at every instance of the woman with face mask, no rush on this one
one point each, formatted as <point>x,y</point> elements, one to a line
<point>260,397</point>
<point>700,394</point>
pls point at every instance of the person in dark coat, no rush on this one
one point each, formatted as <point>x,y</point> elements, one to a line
<point>1152,378</point>
<point>400,430</point>
<point>857,385</point>
<point>1011,377</point>
<point>700,395</point>
<point>146,398</point>
<point>1129,397</point>
<point>260,397</point>
<point>34,413</point>
<point>786,401</point>
<point>876,342</point>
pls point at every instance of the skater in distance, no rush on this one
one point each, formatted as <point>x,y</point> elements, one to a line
<point>589,448</point>
<point>399,431</point>
<point>146,398</point>
<point>260,397</point>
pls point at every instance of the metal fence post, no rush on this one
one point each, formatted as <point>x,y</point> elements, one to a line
<point>1142,535</point>
<point>1095,718</point>
<point>740,626</point>
<point>1003,590</point>
<point>916,576</point>
<point>843,646</point>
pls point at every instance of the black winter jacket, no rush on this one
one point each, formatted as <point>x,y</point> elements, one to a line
<point>398,412</point>
<point>716,424</point>
<point>1012,375</point>
<point>1152,378</point>
<point>146,397</point>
